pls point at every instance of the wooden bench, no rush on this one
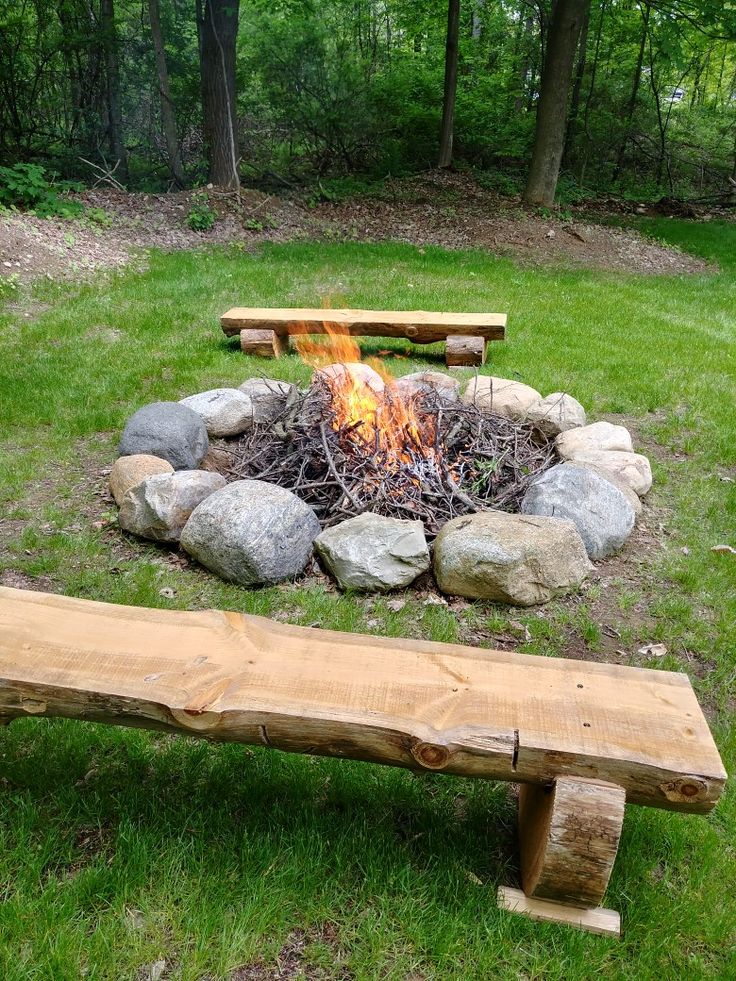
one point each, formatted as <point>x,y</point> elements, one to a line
<point>581,738</point>
<point>265,332</point>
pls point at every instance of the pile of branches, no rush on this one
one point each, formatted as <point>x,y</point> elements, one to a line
<point>467,461</point>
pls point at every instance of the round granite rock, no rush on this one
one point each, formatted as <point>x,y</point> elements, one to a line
<point>252,533</point>
<point>168,430</point>
<point>600,512</point>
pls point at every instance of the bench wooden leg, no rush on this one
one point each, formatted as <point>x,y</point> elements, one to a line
<point>264,343</point>
<point>569,835</point>
<point>462,351</point>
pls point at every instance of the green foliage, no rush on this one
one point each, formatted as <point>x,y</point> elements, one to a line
<point>201,217</point>
<point>25,186</point>
<point>9,286</point>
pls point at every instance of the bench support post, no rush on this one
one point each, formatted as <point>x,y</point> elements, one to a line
<point>262,343</point>
<point>464,351</point>
<point>568,835</point>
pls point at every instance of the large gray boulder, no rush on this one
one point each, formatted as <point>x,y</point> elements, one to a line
<point>268,397</point>
<point>599,511</point>
<point>500,396</point>
<point>252,533</point>
<point>511,558</point>
<point>159,506</point>
<point>224,411</point>
<point>626,489</point>
<point>371,552</point>
<point>168,430</point>
<point>555,414</point>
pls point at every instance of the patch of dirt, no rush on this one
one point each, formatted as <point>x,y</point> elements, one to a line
<point>291,960</point>
<point>436,208</point>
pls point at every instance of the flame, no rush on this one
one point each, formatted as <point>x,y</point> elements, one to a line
<point>364,399</point>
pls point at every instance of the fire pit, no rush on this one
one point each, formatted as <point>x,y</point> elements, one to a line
<point>514,492</point>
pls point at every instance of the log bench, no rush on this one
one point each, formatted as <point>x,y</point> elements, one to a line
<point>265,332</point>
<point>581,738</point>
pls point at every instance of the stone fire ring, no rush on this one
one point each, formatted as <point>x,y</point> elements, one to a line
<point>255,533</point>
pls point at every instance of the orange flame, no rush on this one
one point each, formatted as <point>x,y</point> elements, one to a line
<point>364,397</point>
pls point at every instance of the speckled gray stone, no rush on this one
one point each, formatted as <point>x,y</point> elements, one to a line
<point>252,533</point>
<point>511,558</point>
<point>168,430</point>
<point>371,552</point>
<point>600,512</point>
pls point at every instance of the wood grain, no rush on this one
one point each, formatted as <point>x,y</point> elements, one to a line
<point>569,836</point>
<point>606,922</point>
<point>419,326</point>
<point>463,351</point>
<point>491,714</point>
<point>262,343</point>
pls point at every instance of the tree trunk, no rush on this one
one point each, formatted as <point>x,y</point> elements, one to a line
<point>525,33</point>
<point>549,139</point>
<point>448,105</point>
<point>114,112</point>
<point>218,31</point>
<point>168,119</point>
<point>578,86</point>
<point>634,95</point>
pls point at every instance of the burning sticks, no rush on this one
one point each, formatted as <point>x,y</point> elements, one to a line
<point>441,459</point>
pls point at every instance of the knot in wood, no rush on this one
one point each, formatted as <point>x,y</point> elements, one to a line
<point>689,788</point>
<point>430,756</point>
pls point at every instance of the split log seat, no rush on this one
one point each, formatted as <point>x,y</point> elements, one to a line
<point>265,332</point>
<point>581,738</point>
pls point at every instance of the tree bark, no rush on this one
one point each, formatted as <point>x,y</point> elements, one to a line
<point>549,139</point>
<point>448,104</point>
<point>218,32</point>
<point>168,119</point>
<point>115,117</point>
<point>578,86</point>
<point>634,95</point>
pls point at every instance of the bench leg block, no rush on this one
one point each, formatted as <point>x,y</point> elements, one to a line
<point>604,921</point>
<point>568,836</point>
<point>264,343</point>
<point>462,351</point>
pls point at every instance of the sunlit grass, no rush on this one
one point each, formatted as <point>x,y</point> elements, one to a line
<point>224,850</point>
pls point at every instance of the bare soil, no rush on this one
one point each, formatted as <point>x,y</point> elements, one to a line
<point>436,208</point>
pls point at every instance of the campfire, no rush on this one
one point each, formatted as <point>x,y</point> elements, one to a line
<point>358,440</point>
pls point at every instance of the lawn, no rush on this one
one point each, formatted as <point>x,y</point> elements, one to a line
<point>121,848</point>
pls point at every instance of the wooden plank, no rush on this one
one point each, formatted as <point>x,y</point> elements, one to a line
<point>492,714</point>
<point>419,326</point>
<point>606,922</point>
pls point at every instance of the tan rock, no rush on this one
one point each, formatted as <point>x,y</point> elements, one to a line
<point>596,436</point>
<point>500,396</point>
<point>511,558</point>
<point>632,468</point>
<point>360,373</point>
<point>555,414</point>
<point>420,382</point>
<point>129,471</point>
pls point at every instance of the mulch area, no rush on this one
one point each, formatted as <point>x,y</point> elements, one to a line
<point>435,208</point>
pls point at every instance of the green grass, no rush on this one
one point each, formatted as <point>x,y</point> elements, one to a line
<point>209,856</point>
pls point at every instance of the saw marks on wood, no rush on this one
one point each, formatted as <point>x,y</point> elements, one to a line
<point>460,710</point>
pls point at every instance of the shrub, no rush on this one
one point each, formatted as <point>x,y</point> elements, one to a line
<point>201,217</point>
<point>26,186</point>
